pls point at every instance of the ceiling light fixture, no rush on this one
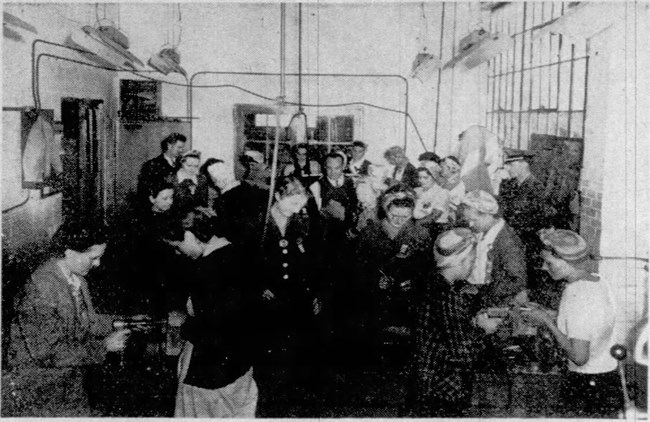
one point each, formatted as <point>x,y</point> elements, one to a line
<point>425,64</point>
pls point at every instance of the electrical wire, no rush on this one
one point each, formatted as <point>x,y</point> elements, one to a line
<point>276,142</point>
<point>36,85</point>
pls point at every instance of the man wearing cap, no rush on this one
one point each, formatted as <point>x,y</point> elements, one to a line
<point>358,165</point>
<point>522,204</point>
<point>500,267</point>
<point>584,327</point>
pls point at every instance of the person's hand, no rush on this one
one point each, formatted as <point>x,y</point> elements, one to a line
<point>268,295</point>
<point>190,307</point>
<point>533,312</point>
<point>384,282</point>
<point>116,341</point>
<point>317,307</point>
<point>335,210</point>
<point>489,325</point>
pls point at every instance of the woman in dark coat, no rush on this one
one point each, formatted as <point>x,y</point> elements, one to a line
<point>57,332</point>
<point>287,264</point>
<point>215,366</point>
<point>392,255</point>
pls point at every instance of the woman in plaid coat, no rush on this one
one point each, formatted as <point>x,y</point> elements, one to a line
<point>447,340</point>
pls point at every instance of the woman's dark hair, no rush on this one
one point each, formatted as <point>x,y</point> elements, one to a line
<point>191,154</point>
<point>425,170</point>
<point>155,189</point>
<point>171,139</point>
<point>452,158</point>
<point>199,221</point>
<point>405,202</point>
<point>76,237</point>
<point>289,186</point>
<point>399,190</point>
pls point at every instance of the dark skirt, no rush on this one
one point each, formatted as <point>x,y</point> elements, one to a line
<point>30,391</point>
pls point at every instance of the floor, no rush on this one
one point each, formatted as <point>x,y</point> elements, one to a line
<point>142,383</point>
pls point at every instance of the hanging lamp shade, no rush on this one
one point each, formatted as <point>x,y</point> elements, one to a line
<point>298,127</point>
<point>167,61</point>
<point>103,48</point>
<point>424,65</point>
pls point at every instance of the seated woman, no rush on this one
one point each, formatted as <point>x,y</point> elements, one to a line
<point>392,255</point>
<point>215,366</point>
<point>447,341</point>
<point>57,332</point>
<point>190,186</point>
<point>432,202</point>
<point>584,327</point>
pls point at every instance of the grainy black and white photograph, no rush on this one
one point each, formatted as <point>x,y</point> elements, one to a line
<point>325,209</point>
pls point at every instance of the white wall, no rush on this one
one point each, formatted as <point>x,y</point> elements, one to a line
<point>39,217</point>
<point>617,157</point>
<point>337,38</point>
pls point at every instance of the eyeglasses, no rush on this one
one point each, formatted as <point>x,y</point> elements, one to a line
<point>399,217</point>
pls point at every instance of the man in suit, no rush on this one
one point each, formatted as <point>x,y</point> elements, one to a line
<point>163,167</point>
<point>57,333</point>
<point>522,203</point>
<point>358,165</point>
<point>500,266</point>
<point>404,172</point>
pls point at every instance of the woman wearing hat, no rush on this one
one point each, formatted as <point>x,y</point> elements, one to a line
<point>447,337</point>
<point>584,327</point>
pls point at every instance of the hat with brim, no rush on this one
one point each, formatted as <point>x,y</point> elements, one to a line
<point>566,244</point>
<point>517,155</point>
<point>482,201</point>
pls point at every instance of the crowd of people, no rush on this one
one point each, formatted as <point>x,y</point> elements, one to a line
<point>283,289</point>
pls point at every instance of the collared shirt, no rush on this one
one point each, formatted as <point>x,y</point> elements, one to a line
<point>355,166</point>
<point>482,266</point>
<point>338,182</point>
<point>171,162</point>
<point>73,280</point>
<point>399,173</point>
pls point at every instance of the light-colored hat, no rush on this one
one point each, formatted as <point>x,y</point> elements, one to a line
<point>256,156</point>
<point>481,201</point>
<point>566,244</point>
<point>452,246</point>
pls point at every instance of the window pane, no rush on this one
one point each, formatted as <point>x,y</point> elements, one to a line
<point>542,126</point>
<point>577,101</point>
<point>577,124</point>
<point>565,73</point>
<point>563,123</point>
